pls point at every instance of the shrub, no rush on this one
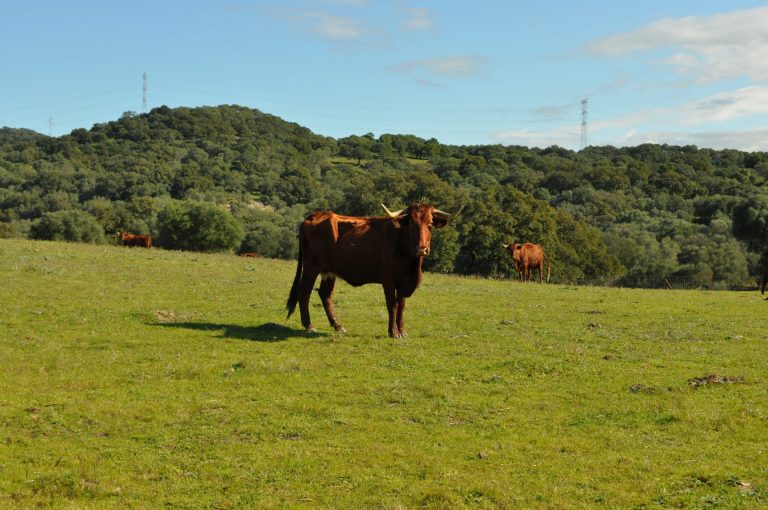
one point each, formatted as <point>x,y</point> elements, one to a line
<point>197,226</point>
<point>68,225</point>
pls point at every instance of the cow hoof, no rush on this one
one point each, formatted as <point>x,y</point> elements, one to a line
<point>339,328</point>
<point>311,330</point>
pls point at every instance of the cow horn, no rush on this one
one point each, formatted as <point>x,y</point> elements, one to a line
<point>447,215</point>
<point>392,214</point>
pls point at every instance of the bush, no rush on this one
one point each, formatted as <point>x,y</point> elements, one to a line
<point>197,226</point>
<point>443,250</point>
<point>68,225</point>
<point>271,240</point>
<point>7,231</point>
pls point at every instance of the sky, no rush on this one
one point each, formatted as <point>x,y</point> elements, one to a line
<point>510,72</point>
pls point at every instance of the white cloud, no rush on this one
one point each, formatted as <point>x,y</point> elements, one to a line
<point>555,112</point>
<point>740,103</point>
<point>718,108</point>
<point>346,2</point>
<point>418,19</point>
<point>704,48</point>
<point>359,27</point>
<point>746,140</point>
<point>461,66</point>
<point>563,137</point>
<point>682,125</point>
<point>334,28</point>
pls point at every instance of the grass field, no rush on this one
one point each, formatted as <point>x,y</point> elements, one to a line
<point>152,379</point>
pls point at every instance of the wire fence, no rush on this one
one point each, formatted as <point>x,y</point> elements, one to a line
<point>664,282</point>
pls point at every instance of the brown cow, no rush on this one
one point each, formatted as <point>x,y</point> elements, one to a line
<point>359,250</point>
<point>528,257</point>
<point>132,240</point>
<point>251,254</point>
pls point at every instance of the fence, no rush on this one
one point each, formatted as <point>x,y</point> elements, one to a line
<point>664,282</point>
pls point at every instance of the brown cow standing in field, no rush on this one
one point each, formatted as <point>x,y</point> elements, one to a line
<point>359,250</point>
<point>131,240</point>
<point>528,257</point>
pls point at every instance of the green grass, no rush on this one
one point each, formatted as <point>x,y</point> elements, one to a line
<point>154,379</point>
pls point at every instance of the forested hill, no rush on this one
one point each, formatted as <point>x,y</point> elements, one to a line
<point>234,178</point>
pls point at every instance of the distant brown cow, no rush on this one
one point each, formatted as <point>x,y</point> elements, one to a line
<point>528,257</point>
<point>144,241</point>
<point>249,254</point>
<point>386,250</point>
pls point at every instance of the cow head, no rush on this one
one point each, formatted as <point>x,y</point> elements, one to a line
<point>416,222</point>
<point>513,249</point>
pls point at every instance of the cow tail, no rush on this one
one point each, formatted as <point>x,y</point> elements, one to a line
<point>293,297</point>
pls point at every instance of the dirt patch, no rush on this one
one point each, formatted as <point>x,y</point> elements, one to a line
<point>170,315</point>
<point>705,380</point>
<point>642,388</point>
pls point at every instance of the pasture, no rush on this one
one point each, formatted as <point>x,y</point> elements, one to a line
<point>136,378</point>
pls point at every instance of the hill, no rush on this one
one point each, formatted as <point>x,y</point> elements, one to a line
<point>632,215</point>
<point>170,379</point>
<point>10,136</point>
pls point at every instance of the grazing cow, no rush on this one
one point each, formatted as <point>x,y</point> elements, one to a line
<point>359,250</point>
<point>528,257</point>
<point>249,254</point>
<point>145,241</point>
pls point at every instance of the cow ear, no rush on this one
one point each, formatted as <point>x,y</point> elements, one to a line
<point>439,221</point>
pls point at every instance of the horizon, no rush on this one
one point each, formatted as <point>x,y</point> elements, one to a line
<point>527,147</point>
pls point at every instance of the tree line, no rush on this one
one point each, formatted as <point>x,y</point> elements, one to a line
<point>230,178</point>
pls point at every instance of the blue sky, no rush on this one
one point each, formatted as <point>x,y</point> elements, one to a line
<point>481,72</point>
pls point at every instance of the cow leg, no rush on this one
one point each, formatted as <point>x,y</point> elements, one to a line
<point>305,291</point>
<point>540,265</point>
<point>389,294</point>
<point>326,296</point>
<point>400,312</point>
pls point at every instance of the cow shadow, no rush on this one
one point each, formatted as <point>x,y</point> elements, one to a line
<point>267,332</point>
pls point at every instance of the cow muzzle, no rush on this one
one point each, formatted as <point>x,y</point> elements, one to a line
<point>422,252</point>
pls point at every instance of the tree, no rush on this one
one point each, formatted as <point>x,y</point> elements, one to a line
<point>68,225</point>
<point>197,226</point>
<point>750,222</point>
<point>443,250</point>
<point>272,234</point>
<point>483,230</point>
